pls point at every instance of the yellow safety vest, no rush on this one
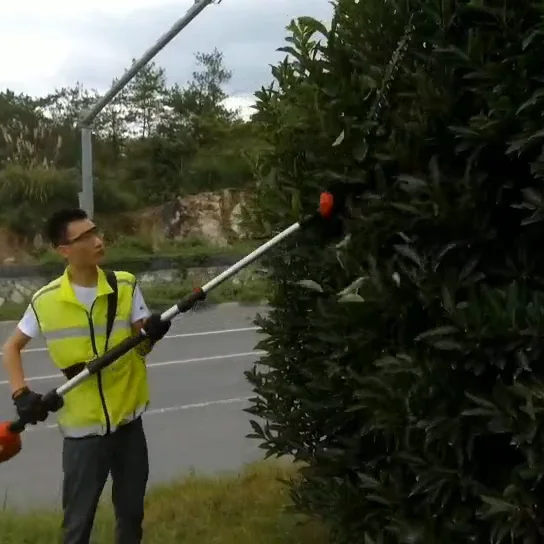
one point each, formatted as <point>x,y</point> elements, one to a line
<point>117,394</point>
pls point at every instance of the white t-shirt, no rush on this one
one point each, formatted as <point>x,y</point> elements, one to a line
<point>86,295</point>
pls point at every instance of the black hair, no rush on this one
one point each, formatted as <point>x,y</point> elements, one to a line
<point>57,224</point>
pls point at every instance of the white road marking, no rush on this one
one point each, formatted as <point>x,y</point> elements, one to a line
<point>185,335</point>
<point>211,358</point>
<point>164,363</point>
<point>160,411</point>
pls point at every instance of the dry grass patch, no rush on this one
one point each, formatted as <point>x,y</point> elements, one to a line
<point>245,508</point>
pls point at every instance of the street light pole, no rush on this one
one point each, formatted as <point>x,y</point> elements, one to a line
<point>86,196</point>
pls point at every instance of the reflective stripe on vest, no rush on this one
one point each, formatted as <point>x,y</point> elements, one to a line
<point>83,332</point>
<point>73,335</point>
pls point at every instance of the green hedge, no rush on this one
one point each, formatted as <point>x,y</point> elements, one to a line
<point>416,396</point>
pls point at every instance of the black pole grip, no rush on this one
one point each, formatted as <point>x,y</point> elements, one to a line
<point>310,221</point>
<point>189,301</point>
<point>52,401</point>
<point>18,426</point>
<point>127,344</point>
<point>115,353</point>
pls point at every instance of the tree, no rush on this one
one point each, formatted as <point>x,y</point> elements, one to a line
<point>65,106</point>
<point>153,143</point>
<point>196,109</point>
<point>21,117</point>
<point>62,109</point>
<point>146,94</point>
<point>20,108</point>
<point>112,126</point>
<point>191,148</point>
<point>405,370</point>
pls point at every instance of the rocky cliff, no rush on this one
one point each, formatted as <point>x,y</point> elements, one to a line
<point>214,217</point>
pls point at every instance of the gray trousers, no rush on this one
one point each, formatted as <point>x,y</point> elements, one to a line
<point>87,463</point>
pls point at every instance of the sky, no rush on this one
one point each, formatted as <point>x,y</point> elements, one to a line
<point>56,43</point>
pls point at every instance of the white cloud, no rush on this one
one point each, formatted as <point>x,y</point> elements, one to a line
<point>41,38</point>
<point>242,103</point>
<point>55,43</point>
<point>59,10</point>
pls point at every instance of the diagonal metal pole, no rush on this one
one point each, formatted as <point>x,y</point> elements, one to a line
<point>86,197</point>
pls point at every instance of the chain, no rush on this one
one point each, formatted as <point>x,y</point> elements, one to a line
<point>381,98</point>
<point>392,70</point>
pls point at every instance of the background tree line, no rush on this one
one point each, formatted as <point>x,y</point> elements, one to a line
<point>154,142</point>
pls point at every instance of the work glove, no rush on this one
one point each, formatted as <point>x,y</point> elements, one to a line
<point>155,328</point>
<point>29,406</point>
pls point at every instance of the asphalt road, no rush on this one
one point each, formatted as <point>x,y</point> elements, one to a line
<point>196,421</point>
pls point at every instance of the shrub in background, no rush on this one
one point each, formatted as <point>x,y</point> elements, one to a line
<point>29,194</point>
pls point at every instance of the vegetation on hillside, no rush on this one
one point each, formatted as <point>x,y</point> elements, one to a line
<point>406,373</point>
<point>154,142</point>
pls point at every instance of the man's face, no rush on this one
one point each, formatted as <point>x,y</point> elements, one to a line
<point>83,244</point>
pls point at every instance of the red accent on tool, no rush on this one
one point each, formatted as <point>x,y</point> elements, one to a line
<point>326,204</point>
<point>10,442</point>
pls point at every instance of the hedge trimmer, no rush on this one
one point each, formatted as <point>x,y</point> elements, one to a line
<point>329,215</point>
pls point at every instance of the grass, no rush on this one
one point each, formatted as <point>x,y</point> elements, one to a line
<point>132,248</point>
<point>162,296</point>
<point>159,297</point>
<point>247,508</point>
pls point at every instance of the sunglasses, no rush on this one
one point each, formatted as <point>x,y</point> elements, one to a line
<point>85,236</point>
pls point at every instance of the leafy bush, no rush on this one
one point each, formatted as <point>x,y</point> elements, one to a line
<point>29,194</point>
<point>26,192</point>
<point>415,397</point>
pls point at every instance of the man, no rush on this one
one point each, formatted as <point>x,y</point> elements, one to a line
<point>100,420</point>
